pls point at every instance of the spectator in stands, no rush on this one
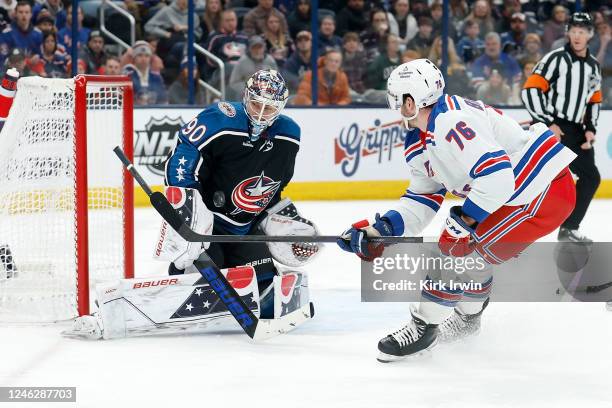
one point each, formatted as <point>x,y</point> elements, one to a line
<point>354,62</point>
<point>21,34</point>
<point>401,22</point>
<point>494,91</point>
<point>64,36</point>
<point>410,55</point>
<point>333,86</point>
<point>157,64</point>
<point>299,19</point>
<point>278,42</point>
<point>44,22</point>
<point>169,25</point>
<point>53,7</point>
<point>50,62</point>
<point>252,61</point>
<point>178,91</point>
<point>378,71</point>
<point>112,66</point>
<point>9,6</point>
<point>435,53</point>
<point>459,11</point>
<point>513,40</point>
<point>532,49</point>
<point>554,28</point>
<point>375,37</point>
<point>436,17</point>
<point>149,88</point>
<point>505,14</point>
<point>327,37</point>
<point>133,7</point>
<point>420,8</point>
<point>5,20</point>
<point>255,20</point>
<point>457,80</point>
<point>601,50</point>
<point>228,43</point>
<point>481,14</point>
<point>17,59</point>
<point>470,46</point>
<point>299,62</point>
<point>424,39</point>
<point>93,54</point>
<point>493,56</point>
<point>352,18</point>
<point>211,19</point>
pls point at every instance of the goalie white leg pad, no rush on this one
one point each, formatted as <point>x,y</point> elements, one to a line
<point>133,307</point>
<point>290,292</point>
<point>290,302</point>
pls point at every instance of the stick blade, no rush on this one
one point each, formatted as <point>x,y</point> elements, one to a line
<point>268,328</point>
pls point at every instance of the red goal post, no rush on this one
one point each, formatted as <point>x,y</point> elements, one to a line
<point>82,82</point>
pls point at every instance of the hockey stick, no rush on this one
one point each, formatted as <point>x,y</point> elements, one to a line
<point>594,288</point>
<point>255,328</point>
<point>164,208</point>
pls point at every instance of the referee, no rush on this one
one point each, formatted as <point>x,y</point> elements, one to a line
<point>564,91</point>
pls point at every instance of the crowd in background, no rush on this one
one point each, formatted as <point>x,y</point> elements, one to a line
<point>493,44</point>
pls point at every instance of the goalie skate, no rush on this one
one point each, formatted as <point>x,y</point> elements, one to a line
<point>85,327</point>
<point>459,326</point>
<point>415,338</point>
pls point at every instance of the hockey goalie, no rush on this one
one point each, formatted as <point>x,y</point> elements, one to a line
<point>224,176</point>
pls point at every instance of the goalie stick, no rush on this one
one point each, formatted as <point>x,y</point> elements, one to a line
<point>255,328</point>
<point>164,208</point>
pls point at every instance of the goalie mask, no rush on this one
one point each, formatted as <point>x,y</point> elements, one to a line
<point>283,219</point>
<point>264,98</point>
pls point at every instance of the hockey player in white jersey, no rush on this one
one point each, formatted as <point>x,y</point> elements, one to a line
<point>516,185</point>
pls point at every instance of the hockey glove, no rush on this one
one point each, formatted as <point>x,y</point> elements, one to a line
<point>355,240</point>
<point>455,239</point>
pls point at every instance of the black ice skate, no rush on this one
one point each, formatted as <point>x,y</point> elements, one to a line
<point>572,235</point>
<point>459,325</point>
<point>414,338</point>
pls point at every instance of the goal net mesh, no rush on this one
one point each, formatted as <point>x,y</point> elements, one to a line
<point>38,202</point>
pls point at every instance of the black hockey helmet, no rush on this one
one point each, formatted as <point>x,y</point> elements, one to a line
<point>580,20</point>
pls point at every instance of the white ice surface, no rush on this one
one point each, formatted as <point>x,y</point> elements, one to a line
<point>528,355</point>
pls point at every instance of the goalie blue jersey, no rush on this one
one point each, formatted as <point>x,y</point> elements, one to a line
<point>237,178</point>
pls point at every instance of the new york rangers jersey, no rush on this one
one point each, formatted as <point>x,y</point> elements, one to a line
<point>475,152</point>
<point>237,178</point>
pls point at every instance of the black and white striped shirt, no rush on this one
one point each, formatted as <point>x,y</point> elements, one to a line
<point>565,87</point>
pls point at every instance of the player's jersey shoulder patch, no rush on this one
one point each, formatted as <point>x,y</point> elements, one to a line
<point>227,108</point>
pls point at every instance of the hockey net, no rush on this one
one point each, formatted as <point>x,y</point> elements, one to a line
<point>66,206</point>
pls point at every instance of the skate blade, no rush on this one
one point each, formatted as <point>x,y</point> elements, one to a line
<point>389,358</point>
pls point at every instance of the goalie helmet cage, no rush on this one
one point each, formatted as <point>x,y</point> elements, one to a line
<point>66,203</point>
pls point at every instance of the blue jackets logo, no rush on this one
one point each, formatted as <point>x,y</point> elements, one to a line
<point>355,144</point>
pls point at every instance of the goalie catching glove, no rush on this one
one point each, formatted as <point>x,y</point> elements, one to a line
<point>284,219</point>
<point>190,207</point>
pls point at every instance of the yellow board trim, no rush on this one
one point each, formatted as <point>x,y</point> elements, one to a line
<point>348,190</point>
